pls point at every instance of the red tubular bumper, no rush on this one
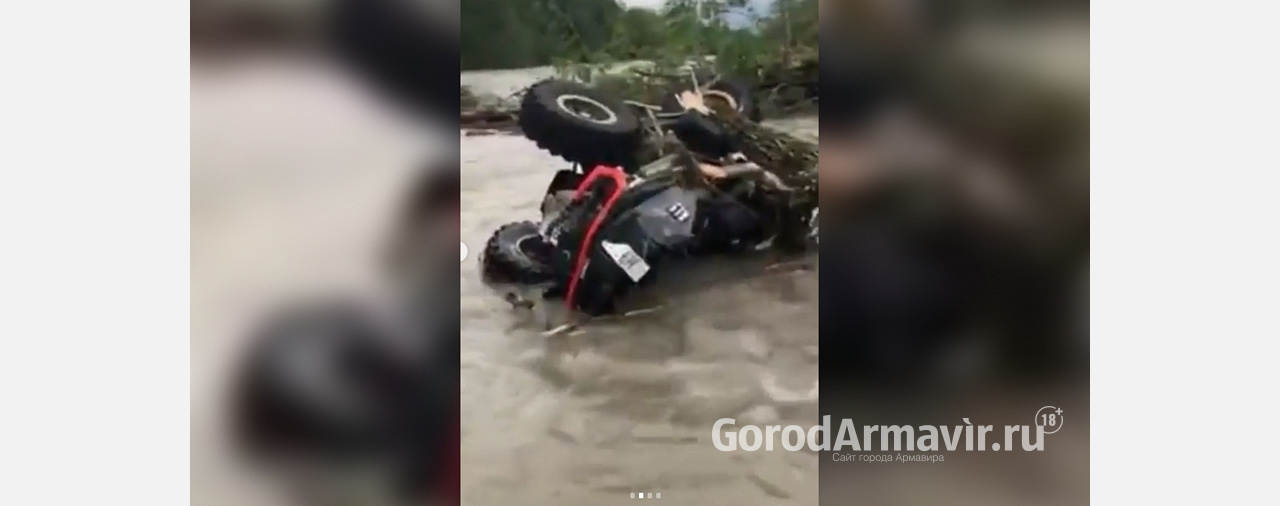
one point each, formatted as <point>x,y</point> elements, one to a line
<point>584,249</point>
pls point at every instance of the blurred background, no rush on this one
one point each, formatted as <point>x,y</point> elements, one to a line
<point>323,189</point>
<point>957,191</point>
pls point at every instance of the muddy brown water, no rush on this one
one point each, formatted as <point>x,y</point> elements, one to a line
<point>626,406</point>
<point>296,174</point>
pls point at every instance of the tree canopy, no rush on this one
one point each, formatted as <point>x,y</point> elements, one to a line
<point>502,34</point>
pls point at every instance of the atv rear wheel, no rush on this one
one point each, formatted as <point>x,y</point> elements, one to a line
<point>580,124</point>
<point>516,254</point>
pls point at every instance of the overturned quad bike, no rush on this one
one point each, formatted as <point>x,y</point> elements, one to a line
<point>588,127</point>
<point>635,211</point>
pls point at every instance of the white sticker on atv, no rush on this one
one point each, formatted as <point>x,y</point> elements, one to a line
<point>678,212</point>
<point>627,259</point>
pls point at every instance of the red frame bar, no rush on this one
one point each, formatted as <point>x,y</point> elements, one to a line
<point>620,179</point>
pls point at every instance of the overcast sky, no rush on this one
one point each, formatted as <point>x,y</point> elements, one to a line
<point>734,19</point>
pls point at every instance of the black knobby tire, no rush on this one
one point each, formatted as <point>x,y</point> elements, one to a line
<point>511,256</point>
<point>276,408</point>
<point>552,116</point>
<point>738,94</point>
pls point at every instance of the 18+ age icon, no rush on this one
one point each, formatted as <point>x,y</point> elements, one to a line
<point>1049,417</point>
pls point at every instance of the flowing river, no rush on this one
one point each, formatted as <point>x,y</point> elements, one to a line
<point>625,406</point>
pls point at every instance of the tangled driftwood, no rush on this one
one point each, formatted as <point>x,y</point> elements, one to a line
<point>488,119</point>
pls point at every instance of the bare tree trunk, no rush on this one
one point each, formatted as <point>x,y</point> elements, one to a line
<point>785,7</point>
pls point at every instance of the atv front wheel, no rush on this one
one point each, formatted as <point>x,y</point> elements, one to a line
<point>516,254</point>
<point>580,124</point>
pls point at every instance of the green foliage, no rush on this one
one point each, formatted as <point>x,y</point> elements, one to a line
<point>583,37</point>
<point>499,34</point>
